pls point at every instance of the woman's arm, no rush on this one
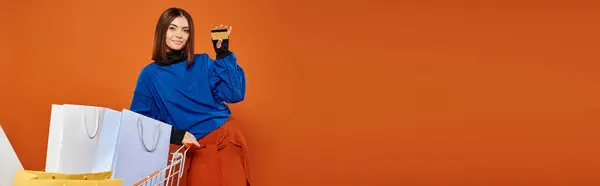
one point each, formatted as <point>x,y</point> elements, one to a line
<point>227,78</point>
<point>143,103</point>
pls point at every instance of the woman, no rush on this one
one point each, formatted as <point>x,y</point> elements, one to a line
<point>190,91</point>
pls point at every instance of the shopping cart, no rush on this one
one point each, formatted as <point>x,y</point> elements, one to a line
<point>169,175</point>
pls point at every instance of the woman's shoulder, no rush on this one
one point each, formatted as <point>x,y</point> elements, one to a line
<point>148,68</point>
<point>202,60</point>
<point>201,56</point>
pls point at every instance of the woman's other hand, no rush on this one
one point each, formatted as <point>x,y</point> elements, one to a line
<point>190,139</point>
<point>220,42</point>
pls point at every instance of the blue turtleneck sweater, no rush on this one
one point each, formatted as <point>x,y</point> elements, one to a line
<point>190,98</point>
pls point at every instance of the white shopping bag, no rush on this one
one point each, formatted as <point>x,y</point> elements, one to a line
<point>10,162</point>
<point>73,138</point>
<point>109,133</point>
<point>54,138</point>
<point>142,148</point>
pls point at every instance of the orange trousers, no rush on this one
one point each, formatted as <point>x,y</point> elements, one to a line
<point>219,161</point>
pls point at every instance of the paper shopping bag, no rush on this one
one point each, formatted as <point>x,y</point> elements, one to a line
<point>54,138</point>
<point>105,154</point>
<point>37,178</point>
<point>10,163</point>
<point>74,138</point>
<point>142,148</point>
<point>28,174</point>
<point>36,182</point>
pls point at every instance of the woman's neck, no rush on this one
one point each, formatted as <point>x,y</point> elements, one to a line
<point>175,56</point>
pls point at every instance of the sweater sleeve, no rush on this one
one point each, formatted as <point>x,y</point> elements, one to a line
<point>143,103</point>
<point>227,79</point>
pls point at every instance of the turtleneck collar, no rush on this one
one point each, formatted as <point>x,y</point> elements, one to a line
<point>174,57</point>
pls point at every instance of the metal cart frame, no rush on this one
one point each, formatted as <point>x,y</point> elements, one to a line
<point>169,175</point>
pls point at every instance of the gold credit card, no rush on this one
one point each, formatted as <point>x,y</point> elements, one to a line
<point>219,33</point>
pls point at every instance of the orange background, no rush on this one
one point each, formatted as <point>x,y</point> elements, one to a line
<point>341,92</point>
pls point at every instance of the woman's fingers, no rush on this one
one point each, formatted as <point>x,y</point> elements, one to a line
<point>219,43</point>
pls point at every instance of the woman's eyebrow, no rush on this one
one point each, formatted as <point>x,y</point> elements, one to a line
<point>178,26</point>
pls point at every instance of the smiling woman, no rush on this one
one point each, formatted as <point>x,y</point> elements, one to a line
<point>189,92</point>
<point>172,35</point>
<point>178,33</point>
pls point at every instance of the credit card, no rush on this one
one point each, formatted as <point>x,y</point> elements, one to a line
<point>219,33</point>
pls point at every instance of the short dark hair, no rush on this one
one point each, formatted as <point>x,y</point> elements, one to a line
<point>159,53</point>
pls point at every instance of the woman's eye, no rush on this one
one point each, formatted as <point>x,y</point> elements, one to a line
<point>171,28</point>
<point>186,31</point>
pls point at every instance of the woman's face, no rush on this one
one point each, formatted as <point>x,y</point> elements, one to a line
<point>178,33</point>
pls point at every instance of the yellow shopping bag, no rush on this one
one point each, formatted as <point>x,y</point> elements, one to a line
<point>38,178</point>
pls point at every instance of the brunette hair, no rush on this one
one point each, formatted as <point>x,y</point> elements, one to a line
<point>159,53</point>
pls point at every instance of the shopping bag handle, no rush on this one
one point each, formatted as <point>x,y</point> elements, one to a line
<point>141,132</point>
<point>87,131</point>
